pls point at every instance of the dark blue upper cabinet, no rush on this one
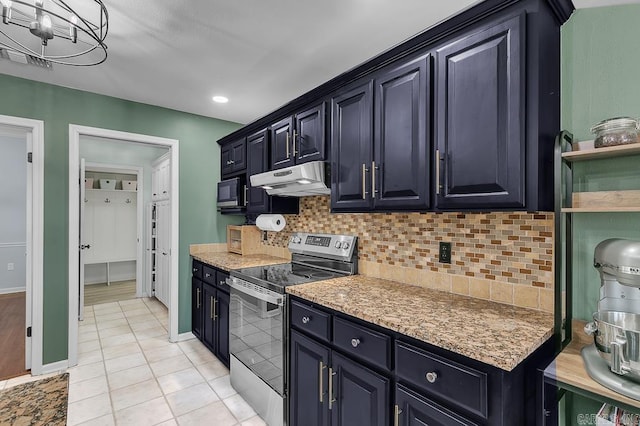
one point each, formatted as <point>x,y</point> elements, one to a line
<point>234,158</point>
<point>351,147</point>
<point>309,141</point>
<point>480,119</point>
<point>402,136</point>
<point>281,146</point>
<point>257,162</point>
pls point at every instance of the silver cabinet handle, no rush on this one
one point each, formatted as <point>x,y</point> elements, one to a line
<point>245,195</point>
<point>215,308</point>
<point>355,342</point>
<point>211,308</point>
<point>321,368</point>
<point>432,376</point>
<point>331,398</point>
<point>305,320</point>
<point>373,179</point>
<point>293,142</point>
<point>287,144</point>
<point>364,181</point>
<point>198,298</point>
<point>396,415</point>
<point>437,172</point>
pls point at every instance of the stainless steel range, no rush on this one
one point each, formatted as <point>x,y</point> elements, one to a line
<point>258,319</point>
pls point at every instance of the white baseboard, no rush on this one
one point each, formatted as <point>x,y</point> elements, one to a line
<point>54,367</point>
<point>12,290</point>
<point>185,336</point>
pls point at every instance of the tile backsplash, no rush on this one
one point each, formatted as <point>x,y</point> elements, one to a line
<point>502,256</point>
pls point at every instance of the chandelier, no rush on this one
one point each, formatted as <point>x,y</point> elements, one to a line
<point>70,32</point>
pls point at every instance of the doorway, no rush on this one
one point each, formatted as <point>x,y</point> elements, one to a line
<point>21,245</point>
<point>80,141</point>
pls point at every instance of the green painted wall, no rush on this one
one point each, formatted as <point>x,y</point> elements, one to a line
<point>199,171</point>
<point>599,81</point>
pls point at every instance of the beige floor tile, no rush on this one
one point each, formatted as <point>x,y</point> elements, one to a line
<point>148,413</point>
<point>88,320</point>
<point>222,386</point>
<point>88,388</point>
<point>171,365</point>
<point>124,362</point>
<point>87,409</point>
<point>191,345</point>
<point>118,340</point>
<point>254,421</point>
<point>93,345</point>
<point>143,311</point>
<point>158,354</point>
<point>192,398</point>
<point>129,377</point>
<point>149,322</point>
<point>106,420</point>
<point>87,336</point>
<point>183,379</point>
<point>201,357</point>
<point>239,407</point>
<point>110,316</point>
<point>131,304</point>
<point>155,343</point>
<point>150,333</point>
<point>141,318</point>
<point>86,372</point>
<point>121,350</point>
<point>89,357</point>
<point>103,325</point>
<point>171,422</point>
<point>114,331</point>
<point>107,307</point>
<point>212,370</point>
<point>135,394</point>
<point>215,413</point>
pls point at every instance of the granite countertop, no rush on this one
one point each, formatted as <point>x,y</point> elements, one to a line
<point>229,261</point>
<point>493,333</point>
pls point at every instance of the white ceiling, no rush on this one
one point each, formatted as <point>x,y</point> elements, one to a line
<point>259,53</point>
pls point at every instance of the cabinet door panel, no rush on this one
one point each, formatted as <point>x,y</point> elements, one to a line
<point>239,155</point>
<point>402,143</point>
<point>362,396</point>
<point>281,149</point>
<point>480,125</point>
<point>225,158</point>
<point>208,324</point>
<point>257,162</point>
<point>308,380</point>
<point>196,307</point>
<point>419,411</point>
<point>351,131</point>
<point>222,326</point>
<point>310,141</point>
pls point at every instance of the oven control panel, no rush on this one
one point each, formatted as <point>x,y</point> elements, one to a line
<point>333,246</point>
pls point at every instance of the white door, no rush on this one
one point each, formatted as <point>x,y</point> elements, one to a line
<point>81,245</point>
<point>163,251</point>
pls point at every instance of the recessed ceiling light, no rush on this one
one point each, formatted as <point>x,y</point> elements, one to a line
<point>220,99</point>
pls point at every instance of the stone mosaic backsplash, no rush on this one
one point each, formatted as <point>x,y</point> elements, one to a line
<point>501,256</point>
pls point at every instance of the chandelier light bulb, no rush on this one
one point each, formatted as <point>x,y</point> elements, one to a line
<point>46,22</point>
<point>73,29</point>
<point>6,11</point>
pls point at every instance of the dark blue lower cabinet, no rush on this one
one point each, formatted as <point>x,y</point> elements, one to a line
<point>222,326</point>
<point>361,395</point>
<point>309,405</point>
<point>412,409</point>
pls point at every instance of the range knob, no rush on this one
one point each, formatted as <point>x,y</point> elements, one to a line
<point>296,240</point>
<point>345,245</point>
<point>338,244</point>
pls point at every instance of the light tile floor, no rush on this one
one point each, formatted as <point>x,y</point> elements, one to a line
<point>128,373</point>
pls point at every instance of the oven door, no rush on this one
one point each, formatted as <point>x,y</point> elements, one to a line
<point>256,330</point>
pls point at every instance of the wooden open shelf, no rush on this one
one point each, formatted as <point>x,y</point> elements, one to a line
<point>597,153</point>
<point>568,369</point>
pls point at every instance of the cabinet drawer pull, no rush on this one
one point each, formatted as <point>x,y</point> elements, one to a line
<point>355,342</point>
<point>432,376</point>
<point>321,368</point>
<point>364,181</point>
<point>396,415</point>
<point>208,275</point>
<point>195,270</point>
<point>287,144</point>
<point>198,298</point>
<point>223,282</point>
<point>373,179</point>
<point>305,320</point>
<point>215,309</point>
<point>211,308</point>
<point>331,398</point>
<point>437,172</point>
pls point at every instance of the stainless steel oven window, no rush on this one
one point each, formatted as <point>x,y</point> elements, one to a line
<point>256,334</point>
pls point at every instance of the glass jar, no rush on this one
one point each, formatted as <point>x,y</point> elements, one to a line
<point>615,131</point>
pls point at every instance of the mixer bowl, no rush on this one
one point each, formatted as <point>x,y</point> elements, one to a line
<point>617,338</point>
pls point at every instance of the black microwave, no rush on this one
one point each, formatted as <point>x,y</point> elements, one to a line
<point>232,196</point>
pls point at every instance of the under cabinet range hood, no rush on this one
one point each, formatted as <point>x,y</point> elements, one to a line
<point>296,181</point>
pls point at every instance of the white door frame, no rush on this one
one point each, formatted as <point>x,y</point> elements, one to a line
<point>75,132</point>
<point>139,172</point>
<point>35,237</point>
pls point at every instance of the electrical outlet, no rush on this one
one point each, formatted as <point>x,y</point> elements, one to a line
<point>10,266</point>
<point>444,254</point>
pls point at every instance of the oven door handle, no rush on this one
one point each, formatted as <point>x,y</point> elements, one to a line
<point>270,297</point>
